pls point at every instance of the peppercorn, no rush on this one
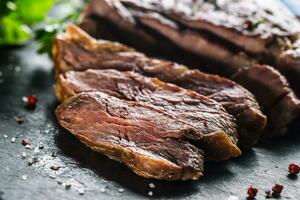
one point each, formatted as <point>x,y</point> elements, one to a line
<point>252,192</point>
<point>24,143</point>
<point>294,169</point>
<point>30,101</point>
<point>277,189</point>
<point>248,25</point>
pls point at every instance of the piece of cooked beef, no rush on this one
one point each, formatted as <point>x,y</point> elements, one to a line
<point>135,134</point>
<point>234,34</point>
<point>253,25</point>
<point>274,95</point>
<point>289,64</point>
<point>75,50</point>
<point>261,44</point>
<point>211,128</point>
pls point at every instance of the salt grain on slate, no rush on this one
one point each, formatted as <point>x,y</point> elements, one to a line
<point>102,190</point>
<point>24,177</point>
<point>121,190</point>
<point>151,185</point>
<point>23,155</point>
<point>233,198</point>
<point>81,191</point>
<point>5,136</point>
<point>150,193</point>
<point>13,140</point>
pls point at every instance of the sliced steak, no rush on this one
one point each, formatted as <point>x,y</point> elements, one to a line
<point>75,50</point>
<point>132,133</point>
<point>262,45</point>
<point>206,118</point>
<point>250,24</point>
<point>274,95</point>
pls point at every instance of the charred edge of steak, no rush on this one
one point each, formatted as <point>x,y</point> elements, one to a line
<point>208,121</point>
<point>237,101</point>
<point>120,130</point>
<point>274,95</point>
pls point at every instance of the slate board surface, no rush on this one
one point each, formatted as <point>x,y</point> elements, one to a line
<point>23,72</point>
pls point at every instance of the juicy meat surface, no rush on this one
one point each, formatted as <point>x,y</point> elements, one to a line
<point>220,34</point>
<point>75,50</point>
<point>132,133</point>
<point>205,117</point>
<point>274,95</point>
<point>250,24</point>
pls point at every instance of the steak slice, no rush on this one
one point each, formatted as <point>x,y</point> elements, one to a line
<point>252,25</point>
<point>274,95</point>
<point>216,32</point>
<point>75,50</point>
<point>208,121</point>
<point>132,133</point>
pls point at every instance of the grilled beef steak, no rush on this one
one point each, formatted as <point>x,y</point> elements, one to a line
<point>132,133</point>
<point>211,128</point>
<point>236,34</point>
<point>75,50</point>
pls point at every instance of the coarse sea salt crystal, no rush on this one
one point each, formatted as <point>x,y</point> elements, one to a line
<point>24,177</point>
<point>151,185</point>
<point>150,193</point>
<point>81,191</point>
<point>121,190</point>
<point>23,155</point>
<point>233,198</point>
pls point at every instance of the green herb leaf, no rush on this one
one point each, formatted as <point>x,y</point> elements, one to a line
<point>18,17</point>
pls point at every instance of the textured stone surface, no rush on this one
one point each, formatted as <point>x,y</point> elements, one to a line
<point>97,176</point>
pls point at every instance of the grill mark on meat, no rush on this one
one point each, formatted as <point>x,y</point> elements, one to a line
<point>252,120</point>
<point>151,155</point>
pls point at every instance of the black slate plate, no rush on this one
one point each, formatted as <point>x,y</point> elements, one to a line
<point>25,73</point>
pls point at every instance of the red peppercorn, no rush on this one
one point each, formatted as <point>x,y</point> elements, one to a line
<point>24,143</point>
<point>31,100</point>
<point>252,192</point>
<point>248,25</point>
<point>277,189</point>
<point>294,169</point>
